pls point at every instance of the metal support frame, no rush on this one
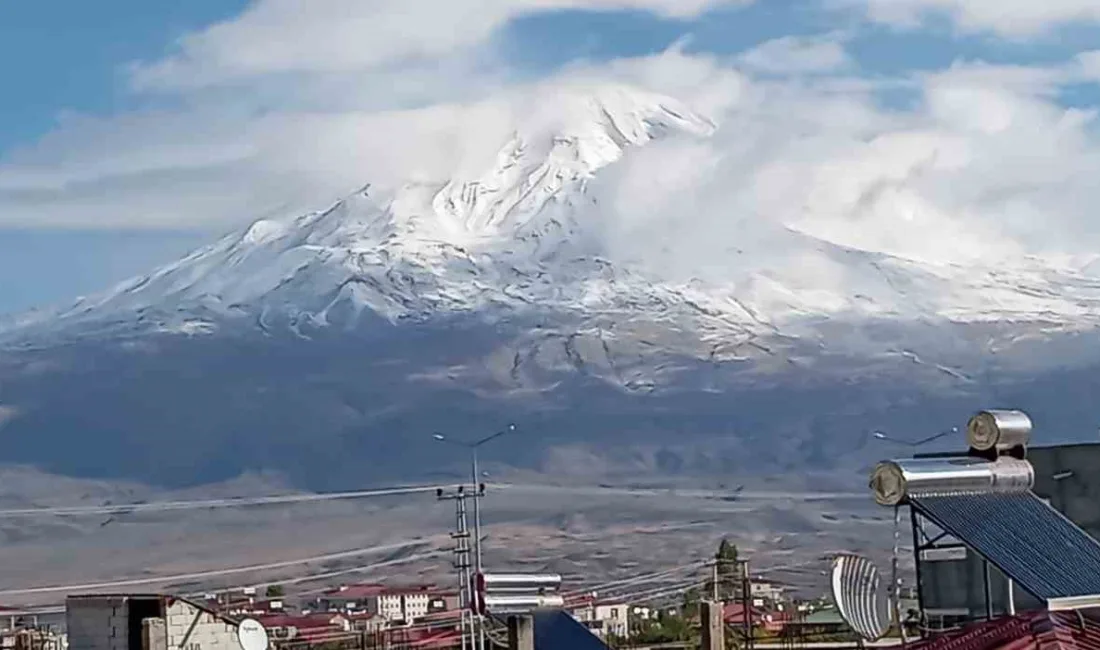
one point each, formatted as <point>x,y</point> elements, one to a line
<point>922,620</point>
<point>895,588</point>
<point>987,590</point>
<point>924,541</point>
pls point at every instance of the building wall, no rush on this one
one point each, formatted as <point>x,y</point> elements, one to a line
<point>604,619</point>
<point>389,607</point>
<point>97,624</point>
<point>416,606</point>
<point>103,624</point>
<point>210,632</point>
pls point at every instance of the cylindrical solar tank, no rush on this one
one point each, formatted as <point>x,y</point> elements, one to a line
<point>998,429</point>
<point>520,604</point>
<point>518,582</point>
<point>895,481</point>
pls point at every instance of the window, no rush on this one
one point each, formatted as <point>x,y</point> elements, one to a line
<point>614,612</point>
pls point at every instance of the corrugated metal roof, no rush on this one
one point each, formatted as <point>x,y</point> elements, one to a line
<point>1029,541</point>
<point>1039,630</point>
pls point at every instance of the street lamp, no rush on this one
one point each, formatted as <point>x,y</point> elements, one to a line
<point>478,492</point>
<point>879,435</point>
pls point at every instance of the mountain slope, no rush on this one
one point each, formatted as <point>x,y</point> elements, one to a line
<point>312,344</point>
<point>525,235</point>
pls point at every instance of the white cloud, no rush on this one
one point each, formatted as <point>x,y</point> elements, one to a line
<point>794,55</point>
<point>341,36</point>
<point>985,169</point>
<point>1013,18</point>
<point>1089,65</point>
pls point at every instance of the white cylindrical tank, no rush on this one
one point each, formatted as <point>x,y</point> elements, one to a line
<point>895,481</point>
<point>998,429</point>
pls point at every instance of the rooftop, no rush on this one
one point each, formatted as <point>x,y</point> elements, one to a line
<point>1038,630</point>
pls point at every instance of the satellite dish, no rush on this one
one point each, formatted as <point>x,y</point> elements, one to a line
<point>252,635</point>
<point>861,596</point>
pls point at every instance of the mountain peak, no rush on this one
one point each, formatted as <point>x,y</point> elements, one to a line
<point>482,236</point>
<point>556,149</point>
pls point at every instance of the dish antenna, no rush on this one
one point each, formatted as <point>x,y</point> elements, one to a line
<point>861,596</point>
<point>252,635</point>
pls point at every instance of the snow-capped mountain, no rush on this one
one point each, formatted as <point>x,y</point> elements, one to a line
<point>499,291</point>
<point>524,236</point>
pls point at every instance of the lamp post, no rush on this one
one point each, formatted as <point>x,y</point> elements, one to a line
<point>474,474</point>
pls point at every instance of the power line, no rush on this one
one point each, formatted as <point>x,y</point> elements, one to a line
<point>649,577</point>
<point>231,502</point>
<point>60,608</point>
<point>240,502</point>
<point>359,569</point>
<point>213,573</point>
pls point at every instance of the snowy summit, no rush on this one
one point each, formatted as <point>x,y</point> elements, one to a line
<point>523,234</point>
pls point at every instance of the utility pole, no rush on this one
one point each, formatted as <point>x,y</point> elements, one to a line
<point>746,599</point>
<point>478,493</point>
<point>714,578</point>
<point>712,630</point>
<point>475,475</point>
<point>461,536</point>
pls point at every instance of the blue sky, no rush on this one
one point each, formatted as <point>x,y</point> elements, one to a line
<point>57,57</point>
<point>74,108</point>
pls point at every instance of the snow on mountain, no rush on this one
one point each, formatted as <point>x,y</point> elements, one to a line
<point>522,236</point>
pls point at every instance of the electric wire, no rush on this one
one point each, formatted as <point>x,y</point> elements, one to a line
<point>212,573</point>
<point>230,502</point>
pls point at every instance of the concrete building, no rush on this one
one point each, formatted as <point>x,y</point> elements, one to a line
<point>603,618</point>
<point>770,592</point>
<point>407,603</point>
<point>150,621</point>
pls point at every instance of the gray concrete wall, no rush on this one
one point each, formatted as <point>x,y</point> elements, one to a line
<point>102,624</point>
<point>207,631</point>
<point>97,624</point>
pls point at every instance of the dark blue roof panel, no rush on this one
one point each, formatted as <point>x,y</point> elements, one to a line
<point>557,630</point>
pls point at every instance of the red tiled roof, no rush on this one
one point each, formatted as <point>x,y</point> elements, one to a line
<point>435,639</point>
<point>358,616</point>
<point>1038,630</point>
<point>444,615</point>
<point>735,613</point>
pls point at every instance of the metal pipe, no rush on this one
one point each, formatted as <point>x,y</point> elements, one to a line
<point>986,584</point>
<point>477,543</point>
<point>1011,597</point>
<point>914,521</point>
<point>896,577</point>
